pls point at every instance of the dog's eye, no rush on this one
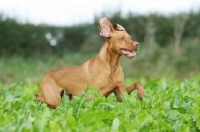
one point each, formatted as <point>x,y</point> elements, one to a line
<point>121,39</point>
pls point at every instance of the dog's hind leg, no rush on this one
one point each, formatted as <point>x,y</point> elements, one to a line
<point>50,93</point>
<point>39,97</point>
<point>70,96</point>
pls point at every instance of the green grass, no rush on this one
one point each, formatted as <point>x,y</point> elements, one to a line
<point>151,62</point>
<point>20,69</point>
<point>168,106</point>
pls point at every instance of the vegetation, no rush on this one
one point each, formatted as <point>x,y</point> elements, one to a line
<point>169,51</point>
<point>168,106</point>
<point>151,62</point>
<point>27,40</point>
<point>169,46</point>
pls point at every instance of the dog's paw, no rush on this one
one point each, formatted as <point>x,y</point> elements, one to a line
<point>141,94</point>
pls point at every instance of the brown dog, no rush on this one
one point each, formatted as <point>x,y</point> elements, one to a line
<point>103,71</point>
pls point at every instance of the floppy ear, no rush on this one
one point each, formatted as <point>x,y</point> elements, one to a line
<point>118,27</point>
<point>105,28</point>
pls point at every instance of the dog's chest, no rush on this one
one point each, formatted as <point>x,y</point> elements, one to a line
<point>104,77</point>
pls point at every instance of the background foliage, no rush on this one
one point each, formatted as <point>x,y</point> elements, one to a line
<point>27,40</point>
<point>169,46</point>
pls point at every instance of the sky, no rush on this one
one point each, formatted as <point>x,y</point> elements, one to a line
<point>70,12</point>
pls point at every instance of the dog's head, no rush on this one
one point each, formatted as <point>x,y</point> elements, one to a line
<point>120,41</point>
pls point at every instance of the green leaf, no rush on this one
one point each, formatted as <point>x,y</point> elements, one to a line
<point>55,127</point>
<point>41,122</point>
<point>172,115</point>
<point>115,124</point>
<point>176,101</point>
<point>198,120</point>
<point>152,83</point>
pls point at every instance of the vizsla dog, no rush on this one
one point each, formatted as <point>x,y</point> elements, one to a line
<point>103,71</point>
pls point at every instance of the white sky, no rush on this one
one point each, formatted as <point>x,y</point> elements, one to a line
<point>69,12</point>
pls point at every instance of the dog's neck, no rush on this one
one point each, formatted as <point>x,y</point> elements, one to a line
<point>108,55</point>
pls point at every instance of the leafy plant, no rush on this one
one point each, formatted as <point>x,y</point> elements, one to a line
<point>167,106</point>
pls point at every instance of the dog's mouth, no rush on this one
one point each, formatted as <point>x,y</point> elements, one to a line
<point>129,54</point>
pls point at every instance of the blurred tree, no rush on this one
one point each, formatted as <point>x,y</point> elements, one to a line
<point>150,32</point>
<point>179,24</point>
<point>29,40</point>
<point>74,36</point>
<point>192,26</point>
<point>136,26</point>
<point>164,29</point>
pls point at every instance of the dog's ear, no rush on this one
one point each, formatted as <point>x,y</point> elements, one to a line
<point>105,27</point>
<point>118,27</point>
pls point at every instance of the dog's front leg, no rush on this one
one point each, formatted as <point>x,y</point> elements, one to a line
<point>116,87</point>
<point>139,87</point>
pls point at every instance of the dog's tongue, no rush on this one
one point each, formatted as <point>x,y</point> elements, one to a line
<point>131,54</point>
<point>128,53</point>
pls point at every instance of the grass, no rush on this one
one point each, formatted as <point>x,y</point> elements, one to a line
<point>21,69</point>
<point>168,106</point>
<point>151,62</point>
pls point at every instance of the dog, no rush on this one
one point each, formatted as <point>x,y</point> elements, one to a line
<point>103,71</point>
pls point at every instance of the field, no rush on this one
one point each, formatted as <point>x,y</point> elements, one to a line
<point>167,64</point>
<point>168,106</point>
<point>172,101</point>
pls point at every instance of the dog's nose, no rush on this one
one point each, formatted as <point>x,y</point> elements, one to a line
<point>136,43</point>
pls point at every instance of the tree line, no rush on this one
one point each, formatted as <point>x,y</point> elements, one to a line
<point>28,40</point>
